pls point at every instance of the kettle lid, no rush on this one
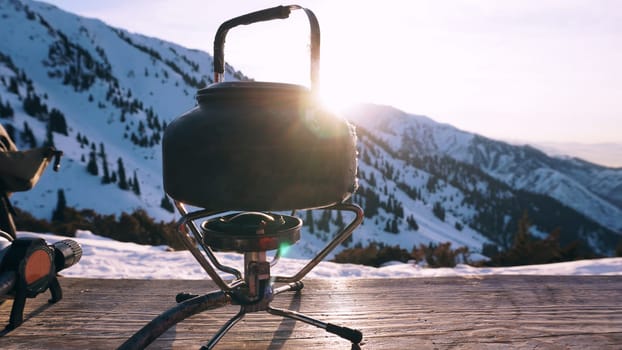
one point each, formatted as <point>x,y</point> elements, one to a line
<point>242,89</point>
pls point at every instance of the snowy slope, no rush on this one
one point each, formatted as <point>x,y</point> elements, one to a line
<point>145,76</point>
<point>105,258</point>
<point>590,189</point>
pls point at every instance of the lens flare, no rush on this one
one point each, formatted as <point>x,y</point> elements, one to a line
<point>283,248</point>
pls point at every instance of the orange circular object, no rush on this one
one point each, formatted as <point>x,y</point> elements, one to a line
<point>37,266</point>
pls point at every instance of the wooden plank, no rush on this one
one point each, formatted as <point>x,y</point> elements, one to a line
<point>492,312</point>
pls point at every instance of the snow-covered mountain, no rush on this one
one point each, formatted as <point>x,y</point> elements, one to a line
<point>113,88</point>
<point>104,96</point>
<point>590,189</point>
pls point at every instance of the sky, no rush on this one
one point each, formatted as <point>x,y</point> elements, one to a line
<point>106,258</point>
<point>517,70</point>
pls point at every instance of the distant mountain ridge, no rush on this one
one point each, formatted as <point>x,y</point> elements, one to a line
<point>591,189</point>
<point>421,181</point>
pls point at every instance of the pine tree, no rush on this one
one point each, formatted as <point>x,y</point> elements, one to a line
<point>32,105</point>
<point>28,136</point>
<point>91,166</point>
<point>121,173</point>
<point>106,177</point>
<point>9,113</point>
<point>399,209</point>
<point>324,223</point>
<point>339,220</point>
<point>372,203</point>
<point>439,211</point>
<point>61,203</point>
<point>5,110</point>
<point>57,122</point>
<point>394,228</point>
<point>166,204</point>
<point>387,226</point>
<point>102,154</point>
<point>13,88</point>
<point>49,136</point>
<point>136,185</point>
<point>102,150</point>
<point>523,236</point>
<point>309,221</point>
<point>412,223</point>
<point>372,179</point>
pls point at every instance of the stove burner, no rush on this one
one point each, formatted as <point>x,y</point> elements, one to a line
<point>251,231</point>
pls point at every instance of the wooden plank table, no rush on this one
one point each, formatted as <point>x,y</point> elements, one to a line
<point>492,312</point>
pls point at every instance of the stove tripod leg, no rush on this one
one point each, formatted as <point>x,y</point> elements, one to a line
<point>290,287</point>
<point>353,335</point>
<point>338,239</point>
<point>174,315</point>
<point>294,287</point>
<point>224,329</point>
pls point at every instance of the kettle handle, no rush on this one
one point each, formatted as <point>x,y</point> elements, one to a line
<point>279,12</point>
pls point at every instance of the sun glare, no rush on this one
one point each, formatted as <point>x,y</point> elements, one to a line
<point>337,100</point>
<point>338,94</point>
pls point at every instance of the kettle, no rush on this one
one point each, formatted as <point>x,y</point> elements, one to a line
<point>260,146</point>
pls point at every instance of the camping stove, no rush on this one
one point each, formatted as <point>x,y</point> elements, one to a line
<point>247,151</point>
<point>252,234</point>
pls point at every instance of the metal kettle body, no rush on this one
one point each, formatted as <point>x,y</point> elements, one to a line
<point>259,146</point>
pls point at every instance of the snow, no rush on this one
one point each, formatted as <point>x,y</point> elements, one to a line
<point>108,259</point>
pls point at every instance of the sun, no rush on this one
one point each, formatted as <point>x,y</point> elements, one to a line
<point>335,101</point>
<point>338,96</point>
